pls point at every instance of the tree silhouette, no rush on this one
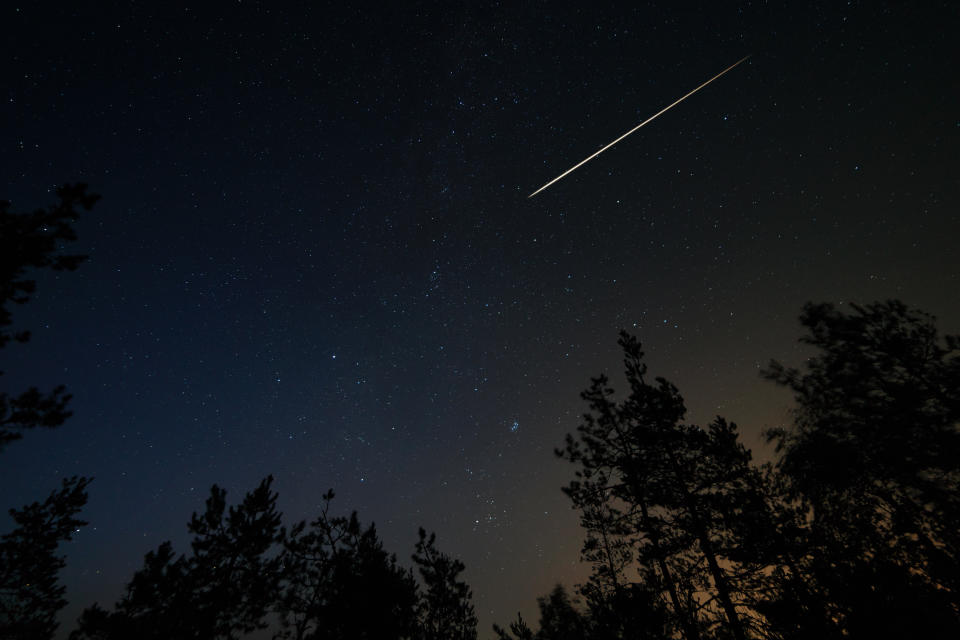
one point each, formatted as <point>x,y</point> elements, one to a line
<point>873,458</point>
<point>632,612</point>
<point>674,497</point>
<point>34,241</point>
<point>773,534</point>
<point>853,532</point>
<point>224,589</point>
<point>518,630</point>
<point>559,620</point>
<point>30,595</point>
<point>329,580</point>
<point>157,603</point>
<point>559,617</point>
<point>444,610</point>
<point>340,583</point>
<point>616,607</point>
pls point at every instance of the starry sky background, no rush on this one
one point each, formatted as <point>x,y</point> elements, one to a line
<point>315,256</point>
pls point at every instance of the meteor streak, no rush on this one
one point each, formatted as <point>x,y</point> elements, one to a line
<point>658,113</point>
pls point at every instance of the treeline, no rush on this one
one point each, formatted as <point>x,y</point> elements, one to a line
<point>853,530</point>
<point>245,572</point>
<point>330,578</point>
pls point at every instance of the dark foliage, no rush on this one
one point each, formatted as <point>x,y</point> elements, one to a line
<point>30,595</point>
<point>630,613</point>
<point>559,617</point>
<point>30,409</point>
<point>224,589</point>
<point>444,611</point>
<point>518,630</point>
<point>329,580</point>
<point>852,533</point>
<point>873,458</point>
<point>339,583</point>
<point>665,505</point>
<point>34,241</point>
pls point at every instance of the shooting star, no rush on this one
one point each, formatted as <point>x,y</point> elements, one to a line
<point>657,114</point>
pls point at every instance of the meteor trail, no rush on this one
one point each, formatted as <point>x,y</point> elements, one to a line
<point>658,113</point>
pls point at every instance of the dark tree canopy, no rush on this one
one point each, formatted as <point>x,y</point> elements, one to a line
<point>852,532</point>
<point>329,580</point>
<point>631,613</point>
<point>30,594</point>
<point>34,241</point>
<point>881,396</point>
<point>445,611</point>
<point>223,589</point>
<point>664,504</point>
<point>339,582</point>
<point>559,617</point>
<point>874,458</point>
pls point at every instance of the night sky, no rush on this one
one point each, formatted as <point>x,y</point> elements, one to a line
<point>315,256</point>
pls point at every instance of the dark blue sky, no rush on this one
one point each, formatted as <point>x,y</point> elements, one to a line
<point>315,256</point>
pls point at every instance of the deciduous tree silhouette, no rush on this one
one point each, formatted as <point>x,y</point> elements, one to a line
<point>873,457</point>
